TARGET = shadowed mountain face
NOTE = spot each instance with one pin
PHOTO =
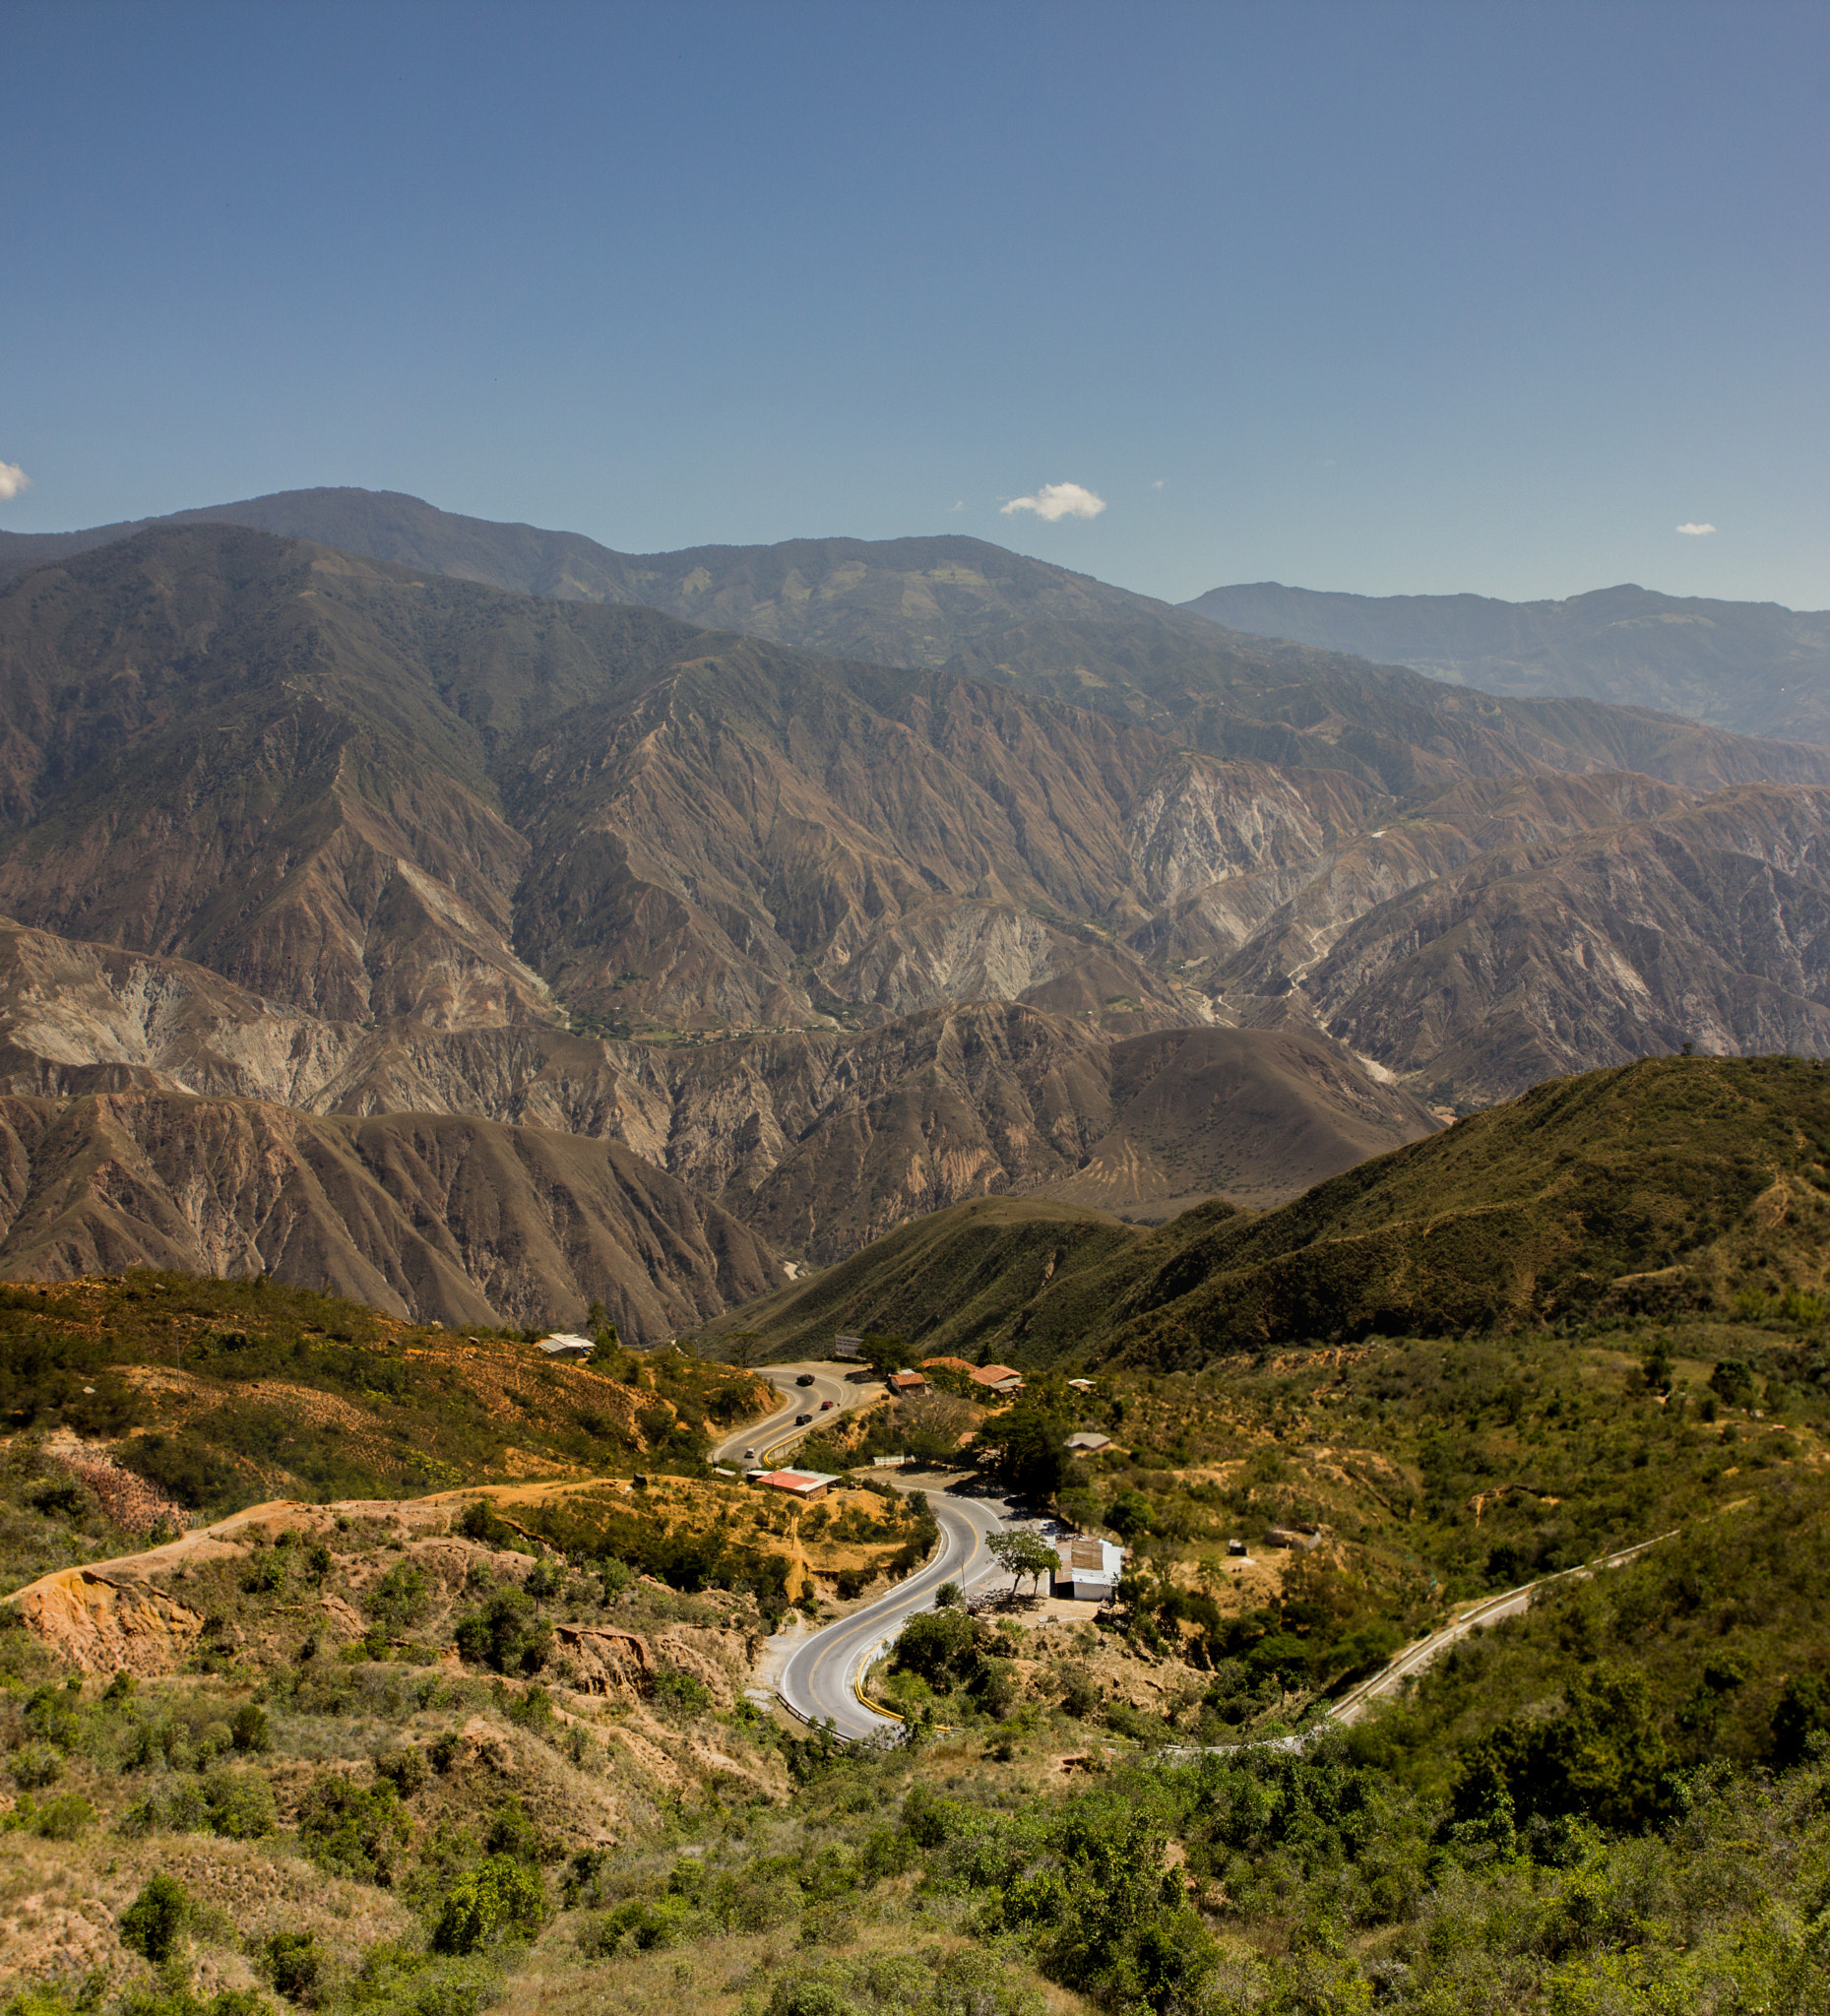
(1088, 911)
(1755, 667)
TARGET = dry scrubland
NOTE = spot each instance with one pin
(492, 1745)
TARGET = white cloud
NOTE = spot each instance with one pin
(1697, 532)
(13, 479)
(1058, 500)
(961, 505)
(1158, 484)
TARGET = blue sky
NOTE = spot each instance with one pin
(1383, 297)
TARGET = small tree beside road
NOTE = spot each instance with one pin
(1023, 1554)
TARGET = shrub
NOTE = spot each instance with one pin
(502, 1899)
(478, 1522)
(505, 1634)
(543, 1581)
(404, 1767)
(399, 1598)
(681, 1692)
(59, 1819)
(352, 1830)
(249, 1732)
(266, 1573)
(34, 1765)
(294, 1963)
(154, 1922)
(1801, 1712)
(512, 1834)
(240, 1804)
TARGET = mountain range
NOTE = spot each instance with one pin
(1756, 668)
(1045, 889)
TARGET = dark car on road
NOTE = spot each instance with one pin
(805, 1379)
(801, 1419)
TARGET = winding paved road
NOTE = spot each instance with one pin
(819, 1680)
(775, 1433)
(819, 1677)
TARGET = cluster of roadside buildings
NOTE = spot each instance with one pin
(1089, 1567)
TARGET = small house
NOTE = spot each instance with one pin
(1003, 1379)
(1290, 1536)
(1088, 1442)
(1081, 1385)
(907, 1381)
(805, 1484)
(1235, 1548)
(567, 1344)
(1089, 1568)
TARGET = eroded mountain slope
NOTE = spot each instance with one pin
(436, 1216)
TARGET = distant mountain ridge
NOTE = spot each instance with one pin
(1755, 667)
(1111, 906)
(905, 602)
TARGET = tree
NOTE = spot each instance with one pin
(1021, 1553)
(1030, 1457)
(885, 1354)
(938, 1645)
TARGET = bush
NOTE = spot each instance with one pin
(478, 1522)
(505, 1634)
(154, 1922)
(34, 1765)
(937, 1645)
(352, 1830)
(1801, 1712)
(59, 1819)
(543, 1581)
(681, 1692)
(249, 1732)
(512, 1834)
(240, 1804)
(404, 1767)
(399, 1598)
(502, 1899)
(294, 1963)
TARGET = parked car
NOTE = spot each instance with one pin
(805, 1379)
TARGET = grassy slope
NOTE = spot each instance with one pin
(1666, 1185)
(223, 1393)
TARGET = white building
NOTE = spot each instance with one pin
(1089, 1568)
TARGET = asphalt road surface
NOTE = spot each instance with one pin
(819, 1681)
(777, 1432)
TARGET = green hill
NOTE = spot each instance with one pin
(1665, 1186)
